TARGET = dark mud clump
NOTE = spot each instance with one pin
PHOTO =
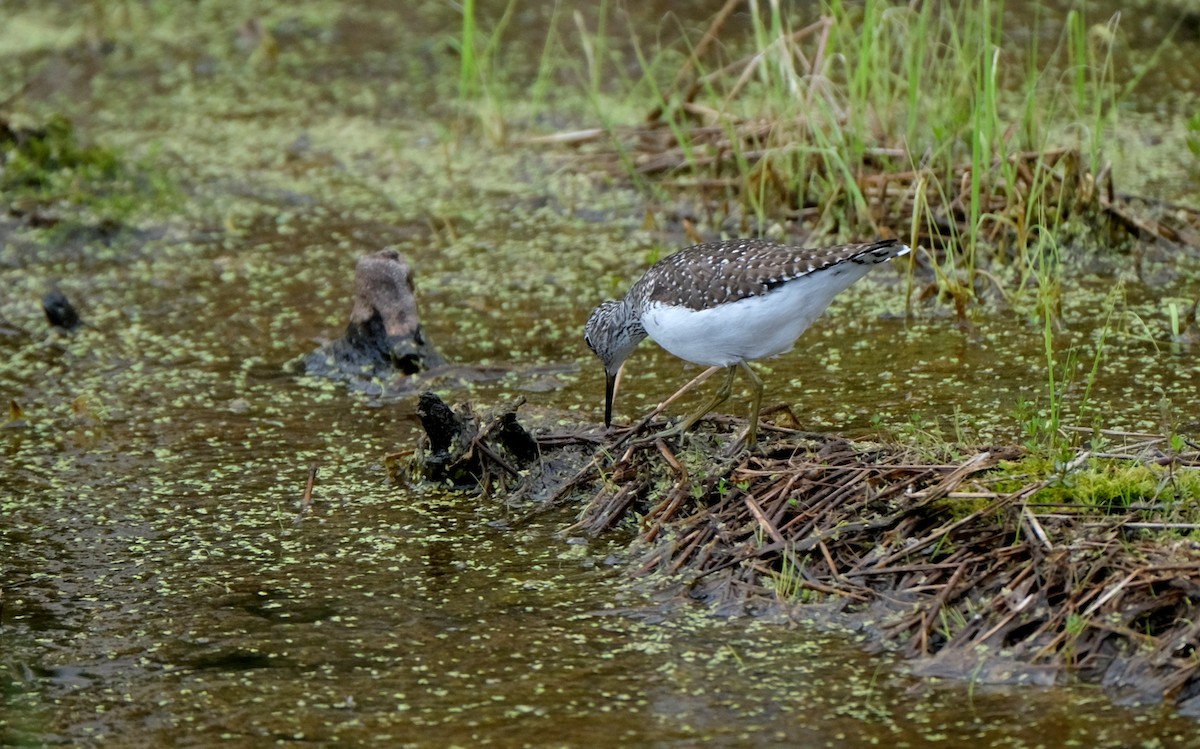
(489, 452)
(59, 311)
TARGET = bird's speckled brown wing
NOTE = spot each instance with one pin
(712, 274)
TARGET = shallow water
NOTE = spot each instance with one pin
(156, 585)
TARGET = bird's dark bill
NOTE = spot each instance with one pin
(610, 386)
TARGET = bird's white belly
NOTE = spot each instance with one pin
(751, 328)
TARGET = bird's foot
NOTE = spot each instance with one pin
(638, 433)
(652, 437)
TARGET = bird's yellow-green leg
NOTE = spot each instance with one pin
(720, 397)
(717, 399)
(755, 401)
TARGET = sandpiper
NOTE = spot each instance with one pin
(724, 304)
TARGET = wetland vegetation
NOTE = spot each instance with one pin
(999, 438)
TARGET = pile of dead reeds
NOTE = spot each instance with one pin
(950, 562)
(962, 564)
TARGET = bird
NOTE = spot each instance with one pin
(725, 304)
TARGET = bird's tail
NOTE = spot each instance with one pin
(878, 252)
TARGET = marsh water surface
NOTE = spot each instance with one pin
(159, 586)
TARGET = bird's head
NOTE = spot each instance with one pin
(612, 333)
